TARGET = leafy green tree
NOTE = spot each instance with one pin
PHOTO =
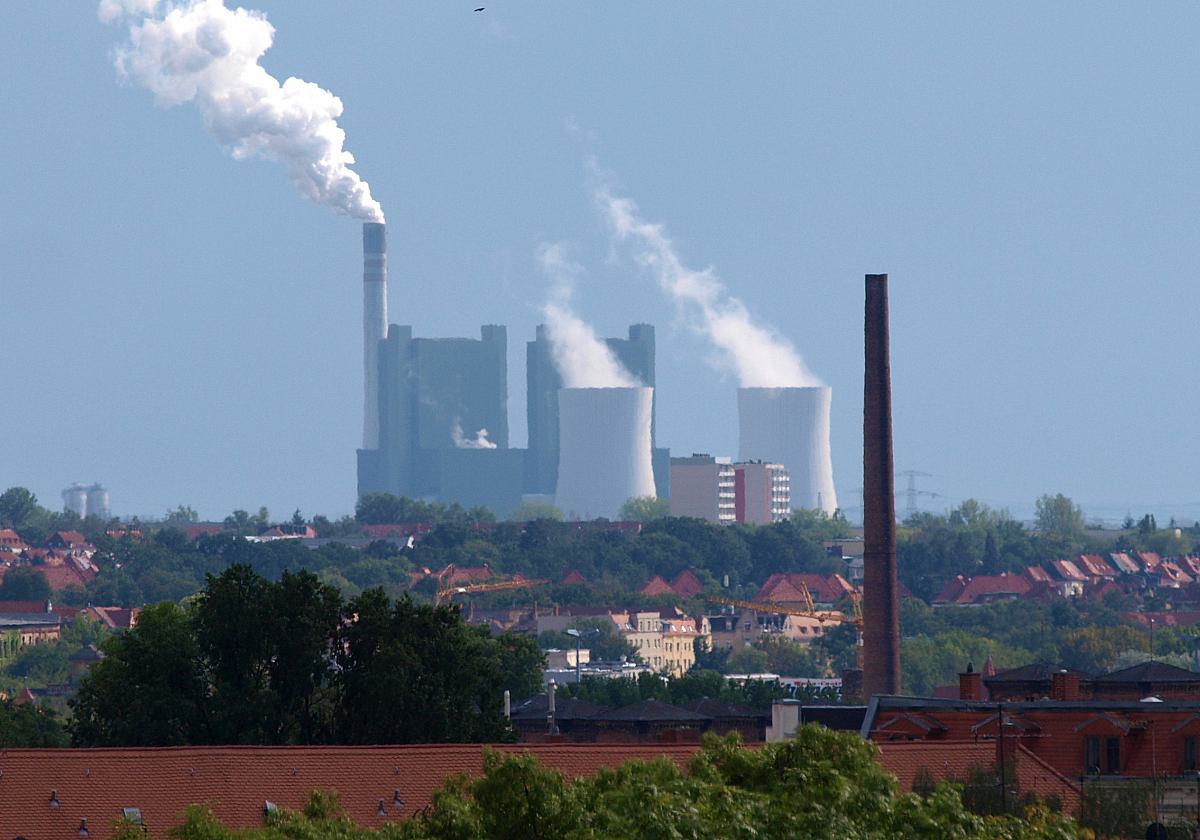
(644, 509)
(19, 510)
(820, 525)
(30, 725)
(414, 673)
(530, 510)
(181, 516)
(24, 583)
(747, 661)
(149, 690)
(1058, 516)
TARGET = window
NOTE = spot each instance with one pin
(1112, 756)
(1091, 760)
(1189, 754)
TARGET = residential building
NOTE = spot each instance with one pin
(762, 493)
(704, 487)
(712, 488)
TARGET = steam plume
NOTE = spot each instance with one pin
(461, 441)
(758, 355)
(200, 51)
(582, 358)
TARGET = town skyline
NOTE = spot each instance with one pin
(1031, 208)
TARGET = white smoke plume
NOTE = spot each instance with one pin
(582, 358)
(461, 441)
(200, 51)
(759, 356)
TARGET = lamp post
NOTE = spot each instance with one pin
(578, 636)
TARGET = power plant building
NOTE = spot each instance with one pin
(443, 421)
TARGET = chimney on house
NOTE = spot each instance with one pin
(881, 603)
(551, 722)
(1064, 686)
(970, 684)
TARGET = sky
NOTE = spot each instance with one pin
(186, 328)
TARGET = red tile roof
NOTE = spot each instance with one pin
(1148, 559)
(686, 584)
(1037, 574)
(1094, 564)
(96, 784)
(784, 588)
(983, 588)
(656, 586)
(1068, 571)
(573, 577)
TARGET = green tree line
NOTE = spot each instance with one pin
(255, 661)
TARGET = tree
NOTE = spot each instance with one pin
(530, 510)
(181, 516)
(149, 690)
(24, 583)
(644, 509)
(819, 784)
(1058, 516)
(19, 510)
(415, 673)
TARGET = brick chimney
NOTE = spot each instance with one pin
(881, 601)
(970, 684)
(1064, 686)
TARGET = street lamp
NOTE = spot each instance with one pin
(578, 635)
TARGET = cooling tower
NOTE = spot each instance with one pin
(790, 426)
(374, 324)
(75, 498)
(97, 501)
(604, 450)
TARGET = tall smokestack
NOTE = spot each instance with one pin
(374, 324)
(881, 604)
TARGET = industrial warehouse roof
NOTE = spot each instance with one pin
(49, 793)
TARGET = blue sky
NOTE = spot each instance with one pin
(185, 328)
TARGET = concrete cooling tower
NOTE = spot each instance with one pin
(790, 426)
(604, 450)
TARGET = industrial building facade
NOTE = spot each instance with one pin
(443, 418)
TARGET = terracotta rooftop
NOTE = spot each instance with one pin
(236, 781)
(656, 586)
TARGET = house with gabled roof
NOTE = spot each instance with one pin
(1095, 567)
(982, 589)
(1124, 564)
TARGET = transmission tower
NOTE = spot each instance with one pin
(911, 492)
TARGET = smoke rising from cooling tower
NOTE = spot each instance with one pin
(582, 358)
(200, 51)
(757, 354)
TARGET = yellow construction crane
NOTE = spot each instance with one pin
(449, 592)
(808, 611)
(779, 609)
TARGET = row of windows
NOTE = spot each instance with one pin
(1103, 756)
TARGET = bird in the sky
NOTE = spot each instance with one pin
(481, 8)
